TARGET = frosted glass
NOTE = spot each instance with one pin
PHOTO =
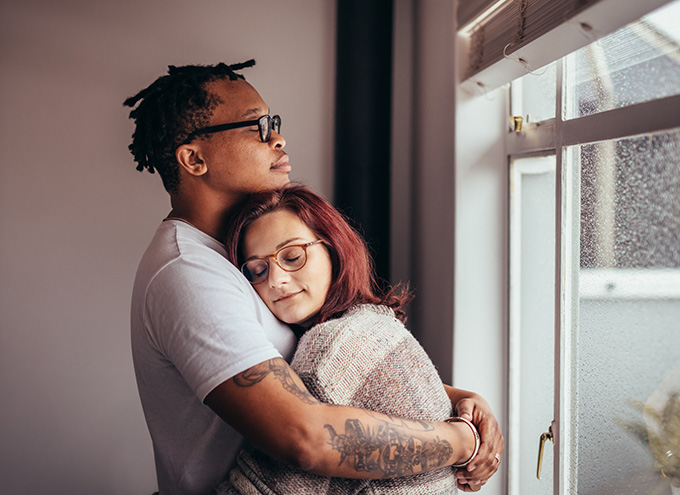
(638, 63)
(630, 206)
(532, 316)
(629, 304)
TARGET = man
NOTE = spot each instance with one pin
(209, 357)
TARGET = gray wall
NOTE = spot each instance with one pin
(76, 215)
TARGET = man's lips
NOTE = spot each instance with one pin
(282, 164)
(285, 297)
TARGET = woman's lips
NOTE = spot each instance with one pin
(286, 297)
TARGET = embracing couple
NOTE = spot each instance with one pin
(267, 358)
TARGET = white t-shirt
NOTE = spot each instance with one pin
(195, 322)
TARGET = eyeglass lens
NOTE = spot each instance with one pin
(290, 259)
(266, 123)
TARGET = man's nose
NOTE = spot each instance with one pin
(276, 140)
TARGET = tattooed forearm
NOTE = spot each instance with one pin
(388, 448)
(281, 371)
(411, 424)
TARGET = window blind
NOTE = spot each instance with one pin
(498, 30)
(469, 10)
(512, 25)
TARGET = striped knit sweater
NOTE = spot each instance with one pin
(366, 359)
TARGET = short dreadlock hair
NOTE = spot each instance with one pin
(172, 107)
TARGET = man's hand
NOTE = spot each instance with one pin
(473, 407)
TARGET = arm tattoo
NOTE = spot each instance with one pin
(281, 371)
(388, 448)
(409, 424)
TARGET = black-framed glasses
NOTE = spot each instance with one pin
(265, 124)
(290, 258)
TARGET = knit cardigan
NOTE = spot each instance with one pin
(366, 359)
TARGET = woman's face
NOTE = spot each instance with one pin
(294, 297)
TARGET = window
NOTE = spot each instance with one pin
(594, 262)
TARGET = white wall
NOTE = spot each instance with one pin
(76, 215)
(479, 360)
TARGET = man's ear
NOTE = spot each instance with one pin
(190, 159)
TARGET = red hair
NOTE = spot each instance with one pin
(353, 273)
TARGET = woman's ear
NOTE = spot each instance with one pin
(190, 159)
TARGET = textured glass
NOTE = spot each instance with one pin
(532, 319)
(638, 63)
(629, 305)
(630, 206)
(534, 95)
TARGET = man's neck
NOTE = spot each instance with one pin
(206, 216)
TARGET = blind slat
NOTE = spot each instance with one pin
(515, 24)
(550, 29)
(471, 9)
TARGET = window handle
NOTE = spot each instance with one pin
(516, 122)
(544, 436)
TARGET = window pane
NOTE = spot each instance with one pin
(531, 343)
(630, 211)
(638, 63)
(534, 95)
(629, 305)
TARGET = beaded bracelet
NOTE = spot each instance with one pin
(456, 419)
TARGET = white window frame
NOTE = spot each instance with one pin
(481, 227)
(554, 136)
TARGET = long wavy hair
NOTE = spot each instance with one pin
(353, 278)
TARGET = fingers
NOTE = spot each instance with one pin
(483, 466)
(472, 487)
(479, 476)
(465, 409)
(487, 460)
(485, 463)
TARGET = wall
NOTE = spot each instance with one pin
(479, 360)
(422, 182)
(76, 215)
(445, 187)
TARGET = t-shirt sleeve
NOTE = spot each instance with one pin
(206, 322)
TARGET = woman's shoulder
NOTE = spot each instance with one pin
(376, 310)
(371, 318)
(365, 313)
(369, 325)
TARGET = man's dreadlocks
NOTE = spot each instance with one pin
(172, 107)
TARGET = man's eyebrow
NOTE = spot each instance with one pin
(253, 112)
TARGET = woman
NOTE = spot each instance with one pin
(313, 271)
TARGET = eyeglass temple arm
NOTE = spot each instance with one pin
(222, 127)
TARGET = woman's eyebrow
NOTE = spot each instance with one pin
(288, 242)
(279, 246)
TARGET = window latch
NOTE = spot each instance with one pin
(516, 123)
(544, 436)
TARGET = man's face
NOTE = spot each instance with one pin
(238, 161)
